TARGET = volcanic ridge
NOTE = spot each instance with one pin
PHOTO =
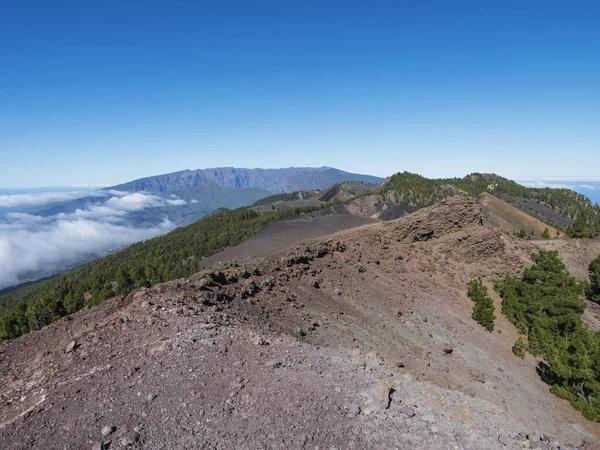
(358, 339)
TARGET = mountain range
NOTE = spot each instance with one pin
(275, 181)
(205, 190)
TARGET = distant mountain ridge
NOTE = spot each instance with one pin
(276, 181)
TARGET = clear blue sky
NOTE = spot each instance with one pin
(100, 92)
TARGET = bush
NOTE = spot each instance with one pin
(593, 291)
(520, 348)
(546, 233)
(483, 311)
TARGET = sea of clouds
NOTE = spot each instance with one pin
(589, 186)
(32, 245)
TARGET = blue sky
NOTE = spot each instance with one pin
(105, 92)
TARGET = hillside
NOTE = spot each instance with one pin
(556, 207)
(345, 191)
(275, 181)
(511, 219)
(360, 339)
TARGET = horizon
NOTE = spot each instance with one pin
(538, 180)
(588, 186)
(104, 93)
(550, 180)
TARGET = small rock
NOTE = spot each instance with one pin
(430, 418)
(108, 429)
(533, 436)
(408, 410)
(273, 363)
(150, 397)
(352, 409)
(505, 440)
(409, 401)
(71, 347)
(130, 439)
(99, 446)
(259, 341)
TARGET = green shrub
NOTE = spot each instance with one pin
(520, 348)
(546, 304)
(483, 310)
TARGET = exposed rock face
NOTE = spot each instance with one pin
(257, 356)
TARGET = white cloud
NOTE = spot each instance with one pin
(192, 201)
(134, 202)
(27, 217)
(178, 202)
(11, 201)
(562, 183)
(32, 244)
(61, 243)
(544, 184)
(567, 179)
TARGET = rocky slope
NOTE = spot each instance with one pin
(509, 218)
(360, 339)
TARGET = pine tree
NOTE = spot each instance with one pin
(520, 348)
(593, 293)
(546, 233)
(483, 313)
(483, 310)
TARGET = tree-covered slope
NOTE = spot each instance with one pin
(416, 190)
(284, 197)
(546, 305)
